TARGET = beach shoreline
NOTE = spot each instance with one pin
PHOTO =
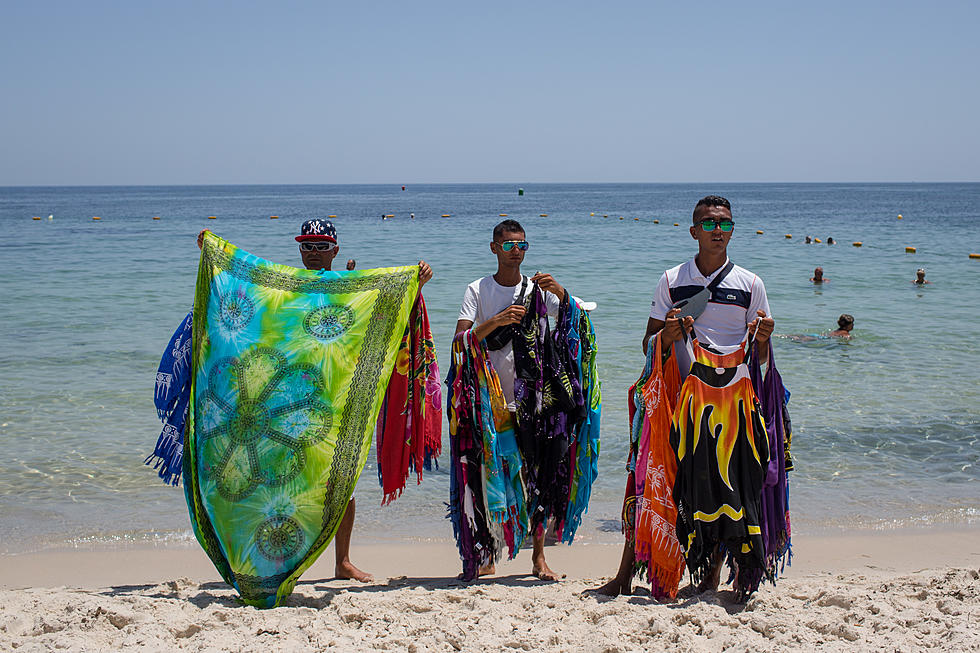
(884, 591)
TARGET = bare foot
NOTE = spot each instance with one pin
(615, 587)
(347, 571)
(713, 578)
(542, 571)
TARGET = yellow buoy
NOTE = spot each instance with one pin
(273, 217)
(857, 243)
(445, 215)
(36, 218)
(817, 240)
(636, 219)
(759, 231)
(390, 215)
(212, 217)
(789, 235)
(96, 217)
(331, 216)
(620, 217)
(910, 250)
(656, 222)
(677, 224)
(156, 217)
(502, 215)
(974, 255)
(543, 215)
(591, 214)
(899, 216)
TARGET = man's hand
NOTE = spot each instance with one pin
(764, 324)
(674, 328)
(200, 238)
(351, 263)
(548, 283)
(425, 273)
(510, 315)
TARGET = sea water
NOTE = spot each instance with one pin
(886, 423)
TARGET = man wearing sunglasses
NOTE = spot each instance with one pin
(318, 247)
(492, 302)
(737, 304)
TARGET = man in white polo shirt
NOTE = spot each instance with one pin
(738, 303)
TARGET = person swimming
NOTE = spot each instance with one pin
(920, 277)
(845, 323)
(818, 277)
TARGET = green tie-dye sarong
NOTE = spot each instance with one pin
(289, 370)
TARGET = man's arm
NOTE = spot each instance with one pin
(653, 326)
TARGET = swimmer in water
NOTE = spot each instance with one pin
(920, 277)
(846, 323)
(830, 240)
(818, 276)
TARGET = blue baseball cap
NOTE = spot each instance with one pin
(318, 229)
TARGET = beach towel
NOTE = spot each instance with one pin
(658, 552)
(289, 368)
(171, 395)
(773, 398)
(722, 449)
(487, 504)
(410, 423)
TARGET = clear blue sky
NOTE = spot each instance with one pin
(135, 92)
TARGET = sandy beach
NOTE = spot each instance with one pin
(881, 591)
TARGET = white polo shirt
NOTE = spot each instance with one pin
(732, 306)
(483, 299)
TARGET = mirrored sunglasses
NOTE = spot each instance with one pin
(316, 246)
(508, 245)
(710, 225)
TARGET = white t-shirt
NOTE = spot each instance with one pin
(732, 306)
(483, 299)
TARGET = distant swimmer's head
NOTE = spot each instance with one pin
(713, 224)
(920, 275)
(509, 243)
(846, 322)
(318, 244)
(817, 274)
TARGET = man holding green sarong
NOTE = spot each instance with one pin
(318, 248)
(290, 368)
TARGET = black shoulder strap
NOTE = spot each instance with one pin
(721, 275)
(520, 298)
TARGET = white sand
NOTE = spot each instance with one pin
(890, 592)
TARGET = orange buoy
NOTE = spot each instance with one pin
(677, 224)
(591, 214)
(636, 219)
(974, 255)
(331, 216)
(389, 215)
(759, 231)
(817, 240)
(273, 217)
(36, 218)
(789, 235)
(212, 217)
(543, 215)
(96, 218)
(502, 215)
(156, 217)
(899, 216)
(656, 222)
(445, 215)
(857, 243)
(910, 250)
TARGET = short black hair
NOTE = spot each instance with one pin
(507, 225)
(712, 200)
(845, 320)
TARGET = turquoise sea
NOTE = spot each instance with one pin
(887, 425)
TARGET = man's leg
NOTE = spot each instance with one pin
(713, 579)
(344, 567)
(539, 567)
(623, 582)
